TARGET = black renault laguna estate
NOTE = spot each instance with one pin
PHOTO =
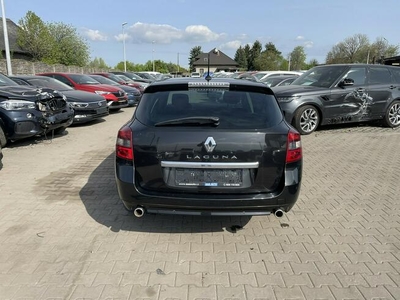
(208, 147)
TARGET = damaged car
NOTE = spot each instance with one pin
(342, 93)
(27, 111)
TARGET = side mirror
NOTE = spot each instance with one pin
(346, 82)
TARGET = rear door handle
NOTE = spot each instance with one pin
(392, 87)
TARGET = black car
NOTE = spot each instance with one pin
(218, 147)
(134, 95)
(27, 111)
(87, 106)
(342, 93)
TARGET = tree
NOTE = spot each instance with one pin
(351, 50)
(68, 47)
(98, 63)
(240, 58)
(255, 53)
(247, 52)
(297, 58)
(34, 36)
(194, 52)
(270, 59)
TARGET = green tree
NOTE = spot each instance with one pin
(68, 47)
(297, 58)
(255, 54)
(247, 52)
(270, 59)
(351, 50)
(194, 52)
(240, 58)
(34, 37)
(312, 63)
(98, 63)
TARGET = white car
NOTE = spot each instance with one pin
(264, 74)
(195, 74)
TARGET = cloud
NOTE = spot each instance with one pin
(120, 37)
(308, 44)
(167, 34)
(299, 38)
(234, 45)
(94, 35)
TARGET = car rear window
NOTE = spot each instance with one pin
(235, 109)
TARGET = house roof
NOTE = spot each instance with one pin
(12, 31)
(220, 59)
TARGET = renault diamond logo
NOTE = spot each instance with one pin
(210, 144)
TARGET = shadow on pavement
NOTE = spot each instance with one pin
(100, 197)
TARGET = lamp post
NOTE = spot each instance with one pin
(6, 43)
(215, 51)
(152, 56)
(123, 41)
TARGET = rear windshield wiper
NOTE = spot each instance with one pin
(193, 121)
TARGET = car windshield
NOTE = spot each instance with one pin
(103, 80)
(5, 81)
(322, 76)
(83, 79)
(43, 81)
(219, 108)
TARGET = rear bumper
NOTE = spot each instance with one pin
(209, 204)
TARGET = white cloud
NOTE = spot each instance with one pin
(299, 38)
(120, 37)
(233, 45)
(308, 44)
(94, 35)
(167, 34)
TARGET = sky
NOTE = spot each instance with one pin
(168, 29)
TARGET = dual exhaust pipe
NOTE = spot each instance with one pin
(139, 212)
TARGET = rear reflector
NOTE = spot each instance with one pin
(124, 146)
(293, 151)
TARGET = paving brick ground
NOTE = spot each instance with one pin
(65, 235)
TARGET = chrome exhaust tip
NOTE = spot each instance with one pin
(138, 212)
(279, 213)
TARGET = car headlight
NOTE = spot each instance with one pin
(78, 104)
(288, 98)
(102, 92)
(17, 104)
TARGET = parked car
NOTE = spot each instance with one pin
(116, 97)
(196, 147)
(195, 74)
(87, 106)
(27, 111)
(342, 93)
(282, 80)
(124, 80)
(260, 75)
(133, 94)
(133, 76)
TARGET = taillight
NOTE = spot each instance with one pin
(293, 151)
(124, 147)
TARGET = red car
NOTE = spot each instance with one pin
(116, 97)
(127, 81)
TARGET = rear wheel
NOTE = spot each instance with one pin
(306, 119)
(392, 117)
(3, 139)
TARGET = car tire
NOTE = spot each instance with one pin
(306, 119)
(3, 139)
(392, 116)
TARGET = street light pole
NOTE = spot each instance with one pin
(7, 46)
(123, 41)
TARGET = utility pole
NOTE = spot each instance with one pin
(6, 43)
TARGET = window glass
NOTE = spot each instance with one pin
(235, 109)
(379, 75)
(396, 73)
(358, 74)
(324, 76)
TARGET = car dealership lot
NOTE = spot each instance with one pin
(64, 233)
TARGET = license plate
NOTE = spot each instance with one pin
(209, 177)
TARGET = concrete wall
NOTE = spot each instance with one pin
(24, 67)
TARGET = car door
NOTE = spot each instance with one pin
(344, 104)
(380, 89)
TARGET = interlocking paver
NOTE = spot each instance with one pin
(65, 235)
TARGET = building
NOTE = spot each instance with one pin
(15, 50)
(214, 61)
(393, 61)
